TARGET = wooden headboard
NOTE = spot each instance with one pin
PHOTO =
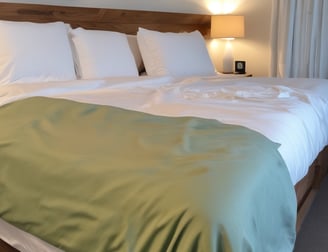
(126, 21)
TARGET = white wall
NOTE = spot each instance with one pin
(254, 48)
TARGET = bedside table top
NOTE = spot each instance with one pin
(235, 75)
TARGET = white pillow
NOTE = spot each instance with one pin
(102, 54)
(176, 54)
(33, 52)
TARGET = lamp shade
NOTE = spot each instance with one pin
(227, 26)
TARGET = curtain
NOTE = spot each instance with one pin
(299, 38)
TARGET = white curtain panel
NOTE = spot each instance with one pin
(299, 38)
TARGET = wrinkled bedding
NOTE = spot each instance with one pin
(290, 112)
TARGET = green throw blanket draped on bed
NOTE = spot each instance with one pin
(96, 178)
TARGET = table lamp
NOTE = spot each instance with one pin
(227, 27)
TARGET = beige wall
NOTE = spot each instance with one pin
(254, 48)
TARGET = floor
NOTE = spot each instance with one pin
(313, 236)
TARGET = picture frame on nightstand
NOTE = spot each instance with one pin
(240, 67)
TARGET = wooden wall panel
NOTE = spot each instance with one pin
(126, 21)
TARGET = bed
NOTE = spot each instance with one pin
(180, 159)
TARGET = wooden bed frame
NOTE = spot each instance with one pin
(307, 188)
(128, 21)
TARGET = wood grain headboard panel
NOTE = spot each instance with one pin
(126, 21)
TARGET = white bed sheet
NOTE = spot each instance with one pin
(292, 112)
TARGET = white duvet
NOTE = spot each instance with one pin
(292, 112)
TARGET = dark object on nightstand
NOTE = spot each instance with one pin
(240, 67)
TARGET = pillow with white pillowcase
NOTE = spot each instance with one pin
(35, 52)
(175, 54)
(102, 54)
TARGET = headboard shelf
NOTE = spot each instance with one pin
(126, 21)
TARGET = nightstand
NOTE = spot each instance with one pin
(245, 75)
(235, 75)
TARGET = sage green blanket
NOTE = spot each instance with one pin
(96, 178)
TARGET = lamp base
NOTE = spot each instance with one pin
(227, 58)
